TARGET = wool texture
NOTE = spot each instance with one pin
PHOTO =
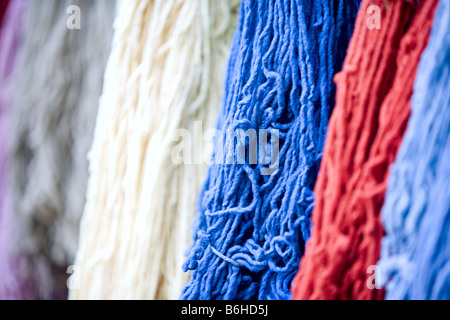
(415, 251)
(252, 223)
(13, 283)
(164, 77)
(56, 97)
(366, 128)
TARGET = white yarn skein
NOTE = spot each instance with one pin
(165, 72)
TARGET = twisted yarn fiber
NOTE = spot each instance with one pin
(12, 283)
(165, 72)
(366, 128)
(416, 215)
(252, 227)
(57, 89)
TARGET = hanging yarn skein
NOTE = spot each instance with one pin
(366, 128)
(164, 77)
(13, 284)
(415, 251)
(56, 98)
(252, 223)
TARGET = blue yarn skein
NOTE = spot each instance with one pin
(251, 228)
(415, 253)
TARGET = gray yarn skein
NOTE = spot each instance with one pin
(53, 116)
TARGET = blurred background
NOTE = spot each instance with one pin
(52, 61)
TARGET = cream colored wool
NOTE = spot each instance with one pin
(59, 82)
(165, 71)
